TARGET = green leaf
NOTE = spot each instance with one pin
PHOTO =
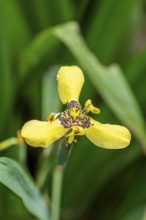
(5, 74)
(106, 31)
(18, 181)
(17, 27)
(139, 213)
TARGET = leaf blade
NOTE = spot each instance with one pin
(14, 177)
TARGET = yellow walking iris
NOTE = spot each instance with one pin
(74, 120)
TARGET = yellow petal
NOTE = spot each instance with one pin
(70, 81)
(108, 136)
(42, 133)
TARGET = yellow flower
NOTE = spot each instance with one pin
(74, 120)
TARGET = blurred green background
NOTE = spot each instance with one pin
(107, 39)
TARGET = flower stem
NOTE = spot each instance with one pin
(62, 158)
(8, 143)
(56, 192)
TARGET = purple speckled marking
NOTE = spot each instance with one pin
(81, 120)
(73, 103)
(64, 123)
(87, 123)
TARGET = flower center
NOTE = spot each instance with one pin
(74, 115)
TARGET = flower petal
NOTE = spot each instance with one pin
(70, 82)
(42, 133)
(108, 136)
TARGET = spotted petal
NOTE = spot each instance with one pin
(70, 82)
(42, 133)
(108, 136)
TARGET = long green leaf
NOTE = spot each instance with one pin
(5, 80)
(106, 31)
(139, 213)
(18, 30)
(17, 180)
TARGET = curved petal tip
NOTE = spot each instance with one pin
(70, 81)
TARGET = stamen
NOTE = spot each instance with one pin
(53, 116)
(87, 123)
(91, 108)
(70, 139)
(65, 123)
(75, 116)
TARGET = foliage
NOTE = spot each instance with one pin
(106, 38)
